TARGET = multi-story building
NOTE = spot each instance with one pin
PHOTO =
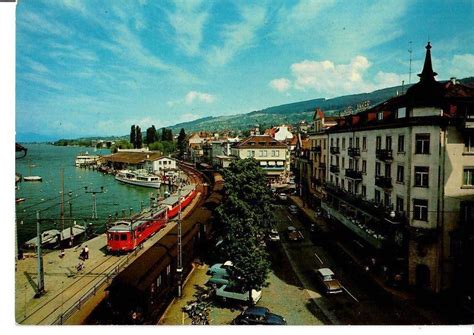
(270, 153)
(319, 150)
(303, 167)
(401, 179)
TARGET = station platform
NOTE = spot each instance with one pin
(70, 295)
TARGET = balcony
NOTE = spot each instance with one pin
(334, 150)
(383, 182)
(316, 149)
(353, 152)
(426, 235)
(354, 174)
(334, 169)
(322, 165)
(384, 155)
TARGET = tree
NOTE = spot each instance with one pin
(181, 143)
(138, 141)
(133, 135)
(151, 135)
(166, 134)
(245, 218)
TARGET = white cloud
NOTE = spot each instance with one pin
(191, 97)
(238, 36)
(461, 66)
(280, 84)
(188, 21)
(330, 79)
(198, 96)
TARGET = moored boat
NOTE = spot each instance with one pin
(139, 178)
(85, 159)
(32, 178)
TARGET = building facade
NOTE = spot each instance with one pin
(400, 178)
(270, 153)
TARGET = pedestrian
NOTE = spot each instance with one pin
(86, 252)
(82, 256)
(61, 255)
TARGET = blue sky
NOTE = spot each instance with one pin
(86, 68)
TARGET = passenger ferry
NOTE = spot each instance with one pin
(84, 159)
(125, 236)
(139, 178)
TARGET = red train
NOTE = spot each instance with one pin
(125, 236)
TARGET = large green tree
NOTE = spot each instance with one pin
(245, 217)
(133, 135)
(139, 140)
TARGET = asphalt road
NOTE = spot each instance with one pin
(360, 303)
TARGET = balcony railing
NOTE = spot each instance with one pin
(384, 155)
(353, 152)
(353, 174)
(334, 150)
(334, 169)
(383, 182)
(316, 149)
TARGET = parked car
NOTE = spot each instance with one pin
(220, 269)
(227, 292)
(218, 280)
(327, 280)
(258, 316)
(273, 236)
(293, 209)
(282, 196)
(294, 234)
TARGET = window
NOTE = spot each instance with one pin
(343, 166)
(377, 196)
(260, 153)
(422, 144)
(420, 209)
(421, 176)
(264, 153)
(364, 191)
(357, 142)
(349, 186)
(168, 269)
(277, 152)
(400, 173)
(378, 142)
(343, 143)
(388, 142)
(401, 112)
(364, 143)
(249, 153)
(350, 142)
(377, 169)
(380, 116)
(388, 170)
(324, 144)
(337, 142)
(386, 199)
(273, 153)
(468, 176)
(469, 143)
(123, 237)
(158, 281)
(399, 205)
(332, 142)
(364, 166)
(401, 143)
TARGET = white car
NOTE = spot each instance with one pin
(273, 235)
(226, 292)
(282, 196)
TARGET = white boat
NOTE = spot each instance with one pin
(84, 159)
(32, 178)
(139, 178)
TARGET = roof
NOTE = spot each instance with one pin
(260, 141)
(133, 157)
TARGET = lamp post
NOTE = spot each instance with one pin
(179, 267)
(40, 284)
(94, 201)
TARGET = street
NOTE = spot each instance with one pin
(360, 303)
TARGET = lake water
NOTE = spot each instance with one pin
(48, 161)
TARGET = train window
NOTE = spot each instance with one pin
(116, 237)
(123, 237)
(158, 281)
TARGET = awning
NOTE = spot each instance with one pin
(271, 163)
(281, 163)
(263, 163)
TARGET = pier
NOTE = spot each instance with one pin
(71, 294)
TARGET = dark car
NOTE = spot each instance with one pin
(258, 316)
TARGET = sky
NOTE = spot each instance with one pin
(95, 67)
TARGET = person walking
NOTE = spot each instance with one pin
(86, 252)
